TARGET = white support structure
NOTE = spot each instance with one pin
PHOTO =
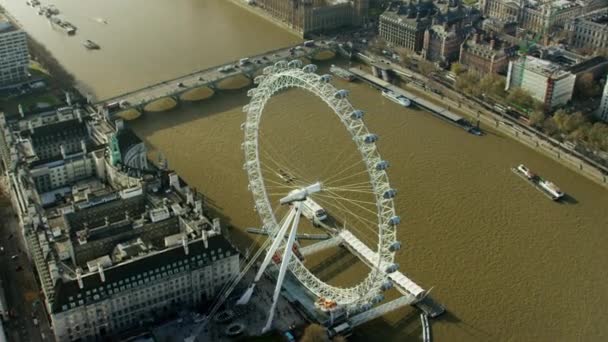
(404, 284)
(379, 311)
(320, 246)
(285, 75)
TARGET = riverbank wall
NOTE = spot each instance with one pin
(511, 129)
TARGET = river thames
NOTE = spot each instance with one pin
(508, 264)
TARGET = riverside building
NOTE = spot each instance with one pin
(117, 244)
(589, 31)
(14, 54)
(310, 16)
(540, 16)
(546, 81)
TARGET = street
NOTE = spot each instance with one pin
(21, 289)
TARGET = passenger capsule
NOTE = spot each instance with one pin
(357, 114)
(370, 138)
(268, 70)
(296, 63)
(243, 127)
(395, 220)
(390, 193)
(325, 78)
(395, 246)
(387, 285)
(258, 79)
(378, 298)
(310, 68)
(382, 165)
(392, 268)
(341, 94)
(280, 64)
(245, 108)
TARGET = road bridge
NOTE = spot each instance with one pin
(209, 77)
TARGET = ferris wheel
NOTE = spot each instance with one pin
(282, 76)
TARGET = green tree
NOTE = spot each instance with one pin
(426, 67)
(457, 69)
(586, 86)
(493, 84)
(315, 333)
(537, 118)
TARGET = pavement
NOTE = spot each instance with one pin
(252, 316)
(20, 286)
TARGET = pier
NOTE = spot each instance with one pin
(442, 113)
(171, 91)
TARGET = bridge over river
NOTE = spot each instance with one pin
(202, 84)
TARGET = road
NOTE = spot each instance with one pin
(211, 75)
(20, 286)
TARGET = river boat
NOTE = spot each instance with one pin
(342, 73)
(63, 25)
(398, 99)
(546, 187)
(90, 45)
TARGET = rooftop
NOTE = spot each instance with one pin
(544, 67)
(122, 277)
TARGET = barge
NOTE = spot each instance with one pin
(548, 188)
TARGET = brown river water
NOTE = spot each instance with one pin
(508, 263)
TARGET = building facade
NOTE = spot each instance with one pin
(538, 16)
(486, 56)
(435, 30)
(310, 16)
(116, 244)
(545, 81)
(14, 54)
(602, 111)
(589, 31)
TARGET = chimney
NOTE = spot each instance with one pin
(185, 243)
(198, 206)
(68, 98)
(21, 113)
(83, 146)
(107, 220)
(62, 149)
(492, 43)
(79, 277)
(78, 115)
(190, 196)
(101, 274)
(205, 238)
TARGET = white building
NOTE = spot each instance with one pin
(602, 111)
(14, 55)
(545, 81)
(115, 298)
(116, 245)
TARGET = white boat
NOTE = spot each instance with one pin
(398, 99)
(546, 187)
(551, 189)
(90, 45)
(525, 171)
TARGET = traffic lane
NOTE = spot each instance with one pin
(19, 283)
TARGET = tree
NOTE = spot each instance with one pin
(560, 118)
(315, 333)
(339, 338)
(493, 84)
(426, 67)
(586, 86)
(522, 98)
(457, 69)
(537, 117)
